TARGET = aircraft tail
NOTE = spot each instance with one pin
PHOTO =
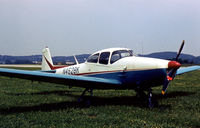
(47, 63)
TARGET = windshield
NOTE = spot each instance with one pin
(116, 55)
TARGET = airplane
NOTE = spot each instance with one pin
(113, 68)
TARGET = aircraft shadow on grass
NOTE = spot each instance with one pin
(60, 93)
(95, 101)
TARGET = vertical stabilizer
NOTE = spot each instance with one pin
(47, 63)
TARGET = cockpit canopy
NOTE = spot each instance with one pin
(109, 56)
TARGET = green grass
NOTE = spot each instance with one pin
(25, 104)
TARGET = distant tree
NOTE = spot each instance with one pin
(19, 61)
(8, 62)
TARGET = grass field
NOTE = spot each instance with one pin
(31, 104)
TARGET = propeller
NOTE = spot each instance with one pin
(173, 66)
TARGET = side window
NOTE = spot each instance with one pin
(104, 57)
(93, 58)
(115, 56)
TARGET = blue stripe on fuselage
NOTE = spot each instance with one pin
(133, 79)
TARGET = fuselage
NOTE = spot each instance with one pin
(121, 64)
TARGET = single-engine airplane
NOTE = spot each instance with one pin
(114, 68)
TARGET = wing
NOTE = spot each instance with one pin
(187, 69)
(70, 80)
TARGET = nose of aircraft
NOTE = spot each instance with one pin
(174, 65)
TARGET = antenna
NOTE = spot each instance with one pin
(76, 60)
(142, 48)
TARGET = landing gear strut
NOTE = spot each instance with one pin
(81, 98)
(150, 98)
(147, 97)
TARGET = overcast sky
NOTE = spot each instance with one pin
(70, 27)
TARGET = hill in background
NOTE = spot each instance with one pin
(184, 58)
(37, 59)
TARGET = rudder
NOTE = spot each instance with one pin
(47, 63)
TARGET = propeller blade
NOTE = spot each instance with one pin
(180, 50)
(170, 76)
(173, 66)
(165, 85)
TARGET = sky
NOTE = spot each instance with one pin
(72, 27)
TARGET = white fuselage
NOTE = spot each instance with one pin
(131, 63)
